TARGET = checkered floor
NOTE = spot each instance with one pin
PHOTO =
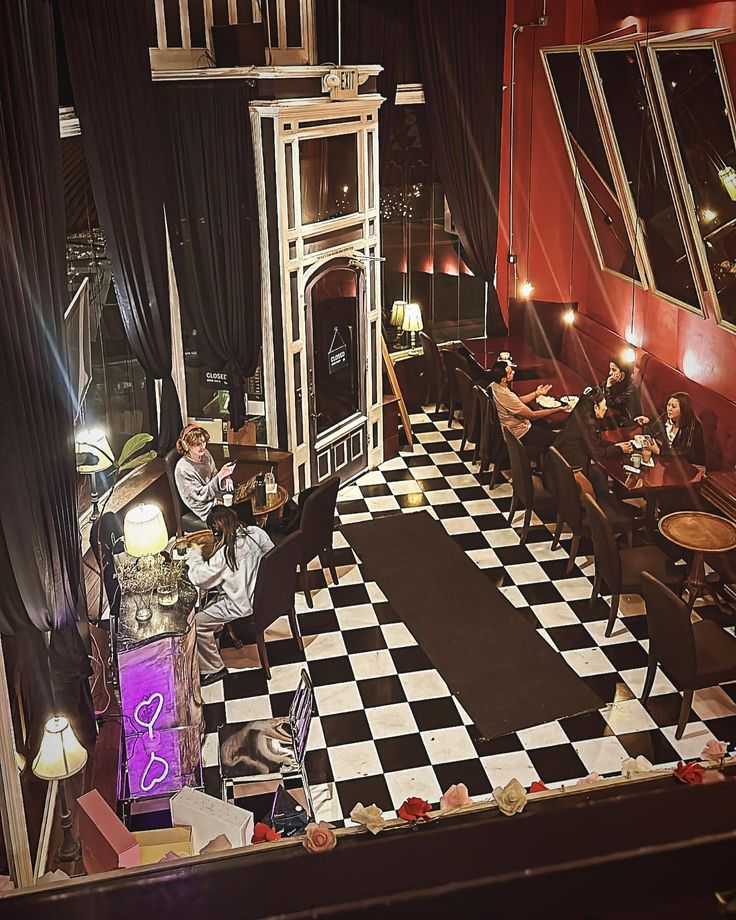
(388, 727)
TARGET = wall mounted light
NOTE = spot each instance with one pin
(628, 355)
(568, 317)
(708, 214)
(526, 289)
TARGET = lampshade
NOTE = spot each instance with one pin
(397, 313)
(727, 175)
(60, 755)
(412, 318)
(145, 531)
(94, 444)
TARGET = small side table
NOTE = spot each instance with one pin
(700, 533)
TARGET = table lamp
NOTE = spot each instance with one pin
(94, 455)
(412, 322)
(59, 757)
(145, 534)
(397, 318)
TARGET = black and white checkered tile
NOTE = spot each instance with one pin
(387, 725)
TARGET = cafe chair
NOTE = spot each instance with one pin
(274, 593)
(570, 510)
(621, 569)
(434, 371)
(454, 361)
(492, 449)
(692, 655)
(471, 418)
(317, 524)
(186, 520)
(528, 490)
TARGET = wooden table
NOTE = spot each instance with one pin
(700, 533)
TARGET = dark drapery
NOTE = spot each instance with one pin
(212, 214)
(40, 554)
(460, 46)
(107, 48)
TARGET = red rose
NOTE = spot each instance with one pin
(414, 809)
(689, 773)
(536, 786)
(262, 833)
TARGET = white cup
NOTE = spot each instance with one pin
(227, 499)
(504, 356)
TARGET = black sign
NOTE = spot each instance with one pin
(337, 354)
(218, 380)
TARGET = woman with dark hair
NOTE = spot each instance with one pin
(230, 570)
(677, 431)
(579, 442)
(622, 394)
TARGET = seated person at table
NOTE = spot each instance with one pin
(677, 431)
(514, 412)
(579, 442)
(196, 475)
(622, 395)
(231, 570)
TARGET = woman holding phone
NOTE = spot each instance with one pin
(677, 431)
(197, 478)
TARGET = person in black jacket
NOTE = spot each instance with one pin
(579, 442)
(677, 431)
(622, 394)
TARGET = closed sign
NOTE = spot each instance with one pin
(337, 354)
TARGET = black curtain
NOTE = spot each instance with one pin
(212, 213)
(107, 49)
(40, 556)
(461, 45)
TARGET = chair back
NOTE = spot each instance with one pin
(495, 435)
(471, 421)
(106, 541)
(455, 361)
(170, 461)
(521, 469)
(432, 359)
(482, 399)
(671, 639)
(276, 582)
(317, 520)
(607, 559)
(564, 488)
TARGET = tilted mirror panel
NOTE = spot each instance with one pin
(698, 120)
(329, 177)
(635, 136)
(589, 162)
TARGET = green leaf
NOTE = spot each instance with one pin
(137, 461)
(132, 446)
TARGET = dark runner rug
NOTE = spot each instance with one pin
(502, 671)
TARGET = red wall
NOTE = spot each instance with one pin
(554, 247)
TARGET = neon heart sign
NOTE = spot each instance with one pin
(151, 706)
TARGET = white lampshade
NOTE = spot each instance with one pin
(60, 755)
(727, 175)
(145, 531)
(397, 313)
(412, 318)
(94, 442)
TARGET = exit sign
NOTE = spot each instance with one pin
(341, 83)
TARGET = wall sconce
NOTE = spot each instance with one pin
(628, 355)
(568, 317)
(526, 289)
(412, 322)
(94, 455)
(727, 175)
(145, 534)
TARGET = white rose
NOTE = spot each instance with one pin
(631, 766)
(511, 798)
(370, 816)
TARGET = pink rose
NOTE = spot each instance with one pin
(714, 751)
(590, 780)
(455, 797)
(319, 838)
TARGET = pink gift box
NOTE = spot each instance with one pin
(106, 842)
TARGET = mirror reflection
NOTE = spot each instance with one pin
(660, 234)
(705, 144)
(585, 145)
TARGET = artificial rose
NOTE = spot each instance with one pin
(370, 816)
(714, 751)
(537, 786)
(414, 810)
(713, 776)
(632, 765)
(511, 798)
(691, 773)
(455, 797)
(319, 838)
(590, 780)
(263, 833)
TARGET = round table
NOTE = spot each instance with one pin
(700, 533)
(275, 501)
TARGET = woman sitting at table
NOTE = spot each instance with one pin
(196, 475)
(231, 570)
(579, 442)
(677, 431)
(622, 395)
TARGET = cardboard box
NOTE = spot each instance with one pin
(209, 817)
(106, 842)
(154, 845)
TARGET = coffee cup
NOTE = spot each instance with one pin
(636, 461)
(504, 356)
(227, 499)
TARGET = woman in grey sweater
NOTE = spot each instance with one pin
(196, 475)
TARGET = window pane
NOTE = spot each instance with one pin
(329, 177)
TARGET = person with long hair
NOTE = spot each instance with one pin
(197, 478)
(580, 442)
(622, 394)
(230, 571)
(677, 431)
